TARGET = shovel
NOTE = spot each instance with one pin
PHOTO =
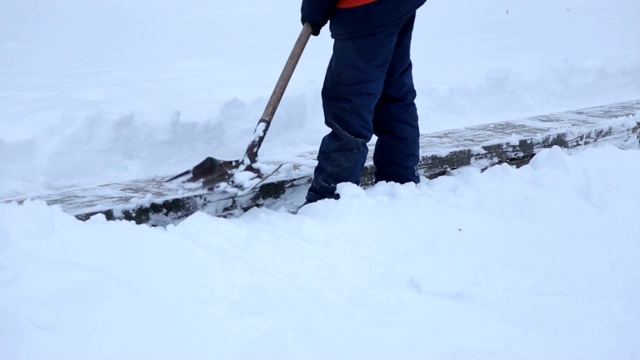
(240, 176)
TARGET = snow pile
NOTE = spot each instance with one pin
(530, 263)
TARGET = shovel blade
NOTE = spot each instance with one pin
(214, 174)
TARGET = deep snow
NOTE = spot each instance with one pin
(530, 263)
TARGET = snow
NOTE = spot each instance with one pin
(541, 262)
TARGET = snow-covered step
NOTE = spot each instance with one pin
(517, 141)
(155, 202)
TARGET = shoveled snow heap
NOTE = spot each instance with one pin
(532, 263)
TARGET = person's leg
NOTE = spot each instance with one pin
(353, 84)
(395, 120)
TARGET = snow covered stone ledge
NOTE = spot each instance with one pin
(153, 202)
(516, 142)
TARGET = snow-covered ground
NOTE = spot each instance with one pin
(541, 262)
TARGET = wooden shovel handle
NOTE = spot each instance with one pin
(270, 110)
(285, 76)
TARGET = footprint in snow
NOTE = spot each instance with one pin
(7, 274)
(43, 318)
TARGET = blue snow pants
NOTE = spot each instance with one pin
(368, 89)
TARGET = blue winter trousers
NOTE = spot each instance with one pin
(368, 89)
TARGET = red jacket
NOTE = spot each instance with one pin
(351, 18)
(345, 4)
